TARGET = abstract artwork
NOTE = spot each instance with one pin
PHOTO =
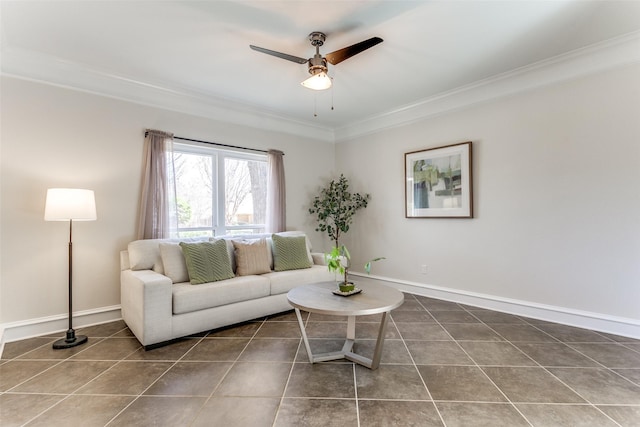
(438, 182)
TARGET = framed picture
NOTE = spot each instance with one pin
(438, 182)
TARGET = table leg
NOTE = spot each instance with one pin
(319, 357)
(304, 335)
(351, 335)
(351, 327)
(346, 352)
(377, 353)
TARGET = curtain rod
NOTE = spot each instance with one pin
(216, 143)
(219, 144)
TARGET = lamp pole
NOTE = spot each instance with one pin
(71, 339)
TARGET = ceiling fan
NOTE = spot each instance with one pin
(318, 64)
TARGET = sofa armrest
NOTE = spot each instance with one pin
(146, 304)
(318, 258)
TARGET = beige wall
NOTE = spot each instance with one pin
(556, 174)
(555, 188)
(54, 137)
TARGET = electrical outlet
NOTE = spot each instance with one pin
(423, 269)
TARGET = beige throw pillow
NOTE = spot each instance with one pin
(251, 257)
(173, 261)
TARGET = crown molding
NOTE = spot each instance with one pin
(613, 53)
(23, 64)
(28, 65)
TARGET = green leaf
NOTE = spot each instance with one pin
(367, 266)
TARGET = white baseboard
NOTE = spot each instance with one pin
(582, 319)
(29, 328)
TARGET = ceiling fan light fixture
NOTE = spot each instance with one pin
(319, 81)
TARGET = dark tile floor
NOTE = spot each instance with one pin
(443, 364)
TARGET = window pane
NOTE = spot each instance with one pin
(194, 191)
(245, 193)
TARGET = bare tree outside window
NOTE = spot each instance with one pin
(258, 174)
(245, 191)
(237, 188)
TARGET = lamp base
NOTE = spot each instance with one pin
(71, 340)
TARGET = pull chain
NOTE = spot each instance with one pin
(315, 100)
(331, 94)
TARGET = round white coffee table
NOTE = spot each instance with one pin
(318, 298)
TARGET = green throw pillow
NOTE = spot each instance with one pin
(207, 261)
(289, 253)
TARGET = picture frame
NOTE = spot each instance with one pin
(438, 182)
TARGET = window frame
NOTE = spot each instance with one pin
(218, 224)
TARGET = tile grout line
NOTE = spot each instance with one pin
(539, 365)
(513, 405)
(208, 399)
(60, 362)
(475, 364)
(589, 402)
(293, 364)
(141, 394)
(415, 366)
(593, 405)
(355, 390)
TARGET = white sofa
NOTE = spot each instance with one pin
(159, 305)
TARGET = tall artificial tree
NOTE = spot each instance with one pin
(335, 207)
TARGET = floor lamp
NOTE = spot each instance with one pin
(70, 204)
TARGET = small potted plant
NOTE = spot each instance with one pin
(339, 260)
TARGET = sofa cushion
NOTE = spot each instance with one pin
(187, 298)
(251, 257)
(175, 266)
(290, 253)
(207, 261)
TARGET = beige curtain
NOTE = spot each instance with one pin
(157, 200)
(276, 200)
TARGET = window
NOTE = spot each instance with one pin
(219, 192)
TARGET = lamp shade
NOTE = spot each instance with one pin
(319, 81)
(64, 204)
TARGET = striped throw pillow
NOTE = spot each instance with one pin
(252, 257)
(290, 253)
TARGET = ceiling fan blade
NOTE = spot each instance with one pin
(347, 52)
(280, 54)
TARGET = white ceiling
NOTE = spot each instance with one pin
(201, 48)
